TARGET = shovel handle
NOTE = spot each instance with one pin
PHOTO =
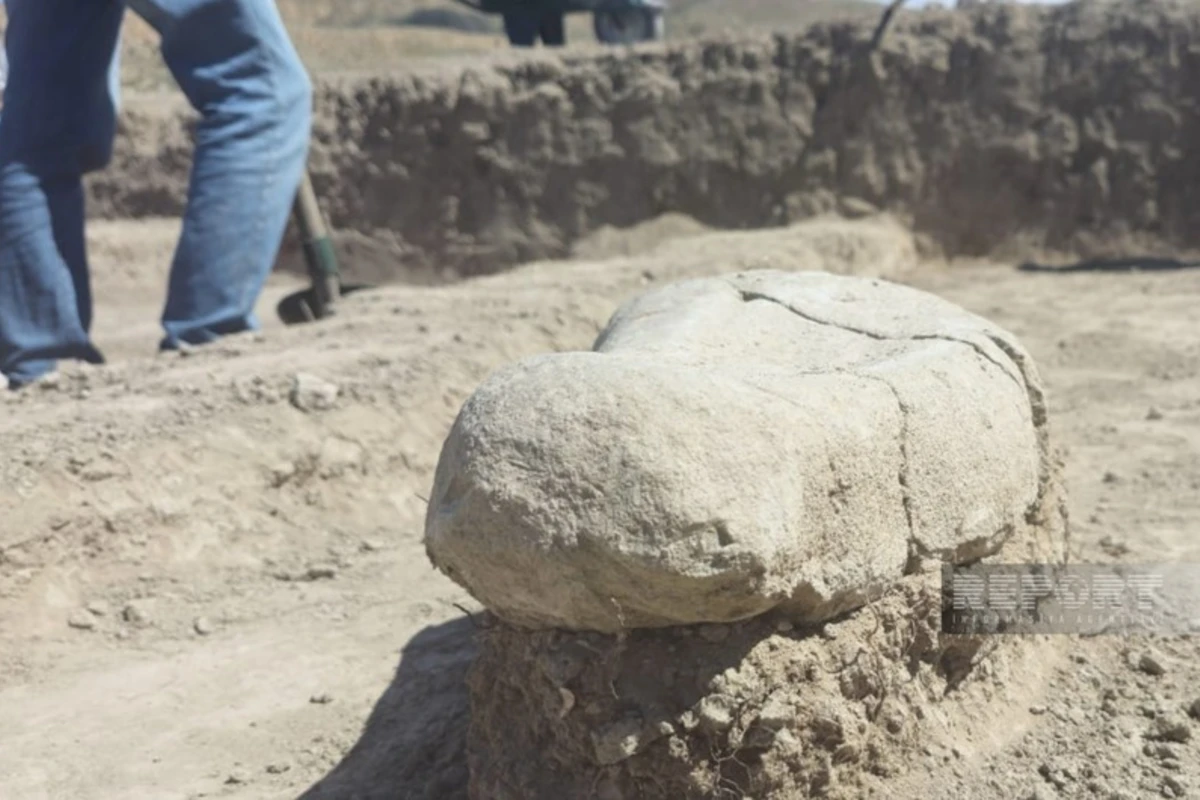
(318, 249)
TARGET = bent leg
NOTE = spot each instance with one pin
(234, 61)
(521, 28)
(553, 30)
(57, 123)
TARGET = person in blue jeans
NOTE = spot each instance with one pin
(236, 65)
(525, 26)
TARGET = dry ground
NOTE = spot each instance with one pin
(206, 591)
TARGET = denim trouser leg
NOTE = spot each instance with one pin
(57, 124)
(234, 61)
(238, 68)
(552, 28)
(521, 27)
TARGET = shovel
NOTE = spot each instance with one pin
(325, 289)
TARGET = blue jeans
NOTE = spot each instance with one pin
(238, 68)
(524, 27)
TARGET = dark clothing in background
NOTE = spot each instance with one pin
(525, 28)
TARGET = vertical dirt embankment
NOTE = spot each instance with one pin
(1002, 130)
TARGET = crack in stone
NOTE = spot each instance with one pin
(902, 477)
(748, 296)
(1035, 399)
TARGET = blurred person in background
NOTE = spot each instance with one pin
(236, 65)
(3, 67)
(525, 25)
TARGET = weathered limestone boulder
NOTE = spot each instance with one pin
(732, 445)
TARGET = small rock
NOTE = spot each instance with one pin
(1111, 477)
(1154, 414)
(847, 753)
(237, 776)
(1151, 663)
(1041, 793)
(784, 626)
(278, 769)
(1058, 777)
(49, 382)
(370, 546)
(136, 614)
(202, 626)
(857, 208)
(310, 393)
(1170, 728)
(716, 712)
(776, 713)
(568, 702)
(98, 608)
(1175, 786)
(281, 472)
(81, 620)
(319, 572)
(1194, 709)
(321, 699)
(618, 741)
(1113, 547)
(1037, 710)
(1163, 751)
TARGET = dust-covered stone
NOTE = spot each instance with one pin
(310, 393)
(1151, 663)
(737, 444)
(81, 620)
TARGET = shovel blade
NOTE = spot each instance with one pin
(305, 306)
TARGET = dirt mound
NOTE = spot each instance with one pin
(751, 710)
(1004, 129)
(760, 708)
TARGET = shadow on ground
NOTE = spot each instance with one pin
(413, 746)
(1127, 264)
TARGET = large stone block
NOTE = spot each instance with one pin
(732, 445)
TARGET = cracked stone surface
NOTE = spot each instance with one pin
(764, 440)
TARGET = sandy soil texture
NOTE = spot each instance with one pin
(211, 578)
(212, 581)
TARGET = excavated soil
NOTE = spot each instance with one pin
(762, 708)
(1000, 132)
(212, 580)
(213, 586)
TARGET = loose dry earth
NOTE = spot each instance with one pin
(208, 591)
(212, 581)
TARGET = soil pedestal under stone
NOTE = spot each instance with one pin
(762, 708)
